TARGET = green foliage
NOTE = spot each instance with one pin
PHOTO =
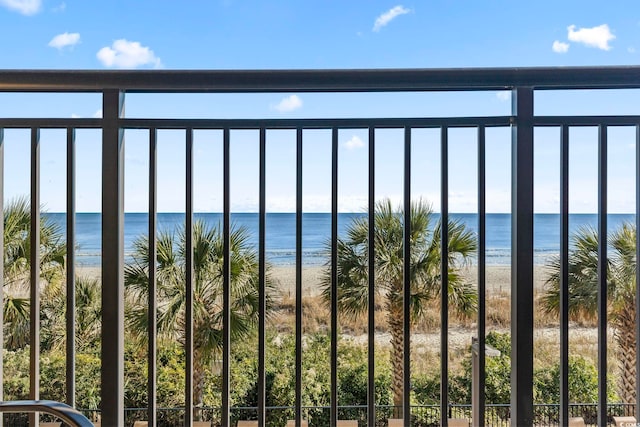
(584, 284)
(52, 377)
(16, 374)
(425, 274)
(207, 291)
(17, 262)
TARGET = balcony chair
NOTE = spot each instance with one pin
(625, 421)
(396, 422)
(51, 424)
(247, 423)
(347, 423)
(577, 422)
(292, 423)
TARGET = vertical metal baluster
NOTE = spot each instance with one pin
(637, 408)
(71, 266)
(2, 264)
(334, 277)
(298, 403)
(262, 283)
(112, 372)
(478, 419)
(522, 257)
(152, 295)
(34, 288)
(188, 342)
(564, 275)
(371, 381)
(226, 274)
(406, 280)
(602, 275)
(444, 275)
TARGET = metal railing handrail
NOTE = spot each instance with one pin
(66, 413)
(269, 81)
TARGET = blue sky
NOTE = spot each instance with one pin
(228, 34)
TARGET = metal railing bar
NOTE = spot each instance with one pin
(112, 351)
(34, 287)
(522, 296)
(70, 368)
(255, 124)
(327, 123)
(482, 247)
(152, 294)
(50, 123)
(226, 274)
(334, 278)
(444, 273)
(406, 281)
(602, 276)
(292, 124)
(554, 121)
(564, 275)
(298, 397)
(262, 281)
(2, 168)
(371, 311)
(637, 271)
(355, 80)
(189, 277)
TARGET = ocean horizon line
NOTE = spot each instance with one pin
(316, 229)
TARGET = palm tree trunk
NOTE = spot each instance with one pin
(625, 335)
(198, 385)
(397, 362)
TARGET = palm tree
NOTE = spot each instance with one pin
(208, 256)
(352, 266)
(88, 314)
(583, 292)
(17, 264)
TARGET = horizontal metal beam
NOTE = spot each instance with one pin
(319, 80)
(622, 120)
(325, 123)
(328, 123)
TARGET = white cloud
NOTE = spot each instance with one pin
(598, 37)
(503, 95)
(64, 40)
(126, 54)
(631, 49)
(560, 47)
(96, 115)
(388, 16)
(25, 7)
(354, 142)
(60, 8)
(288, 104)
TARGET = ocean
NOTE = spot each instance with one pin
(281, 229)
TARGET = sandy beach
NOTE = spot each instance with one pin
(498, 277)
(498, 282)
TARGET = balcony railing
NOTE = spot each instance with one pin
(523, 84)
